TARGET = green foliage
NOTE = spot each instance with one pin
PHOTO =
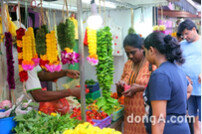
(35, 123)
(61, 35)
(66, 34)
(131, 31)
(90, 82)
(105, 67)
(107, 103)
(41, 40)
(89, 101)
(70, 33)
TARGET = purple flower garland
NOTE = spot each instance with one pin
(10, 62)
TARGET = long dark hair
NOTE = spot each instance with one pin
(133, 40)
(166, 45)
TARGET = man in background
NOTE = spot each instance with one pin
(191, 48)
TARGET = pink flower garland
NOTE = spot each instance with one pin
(69, 58)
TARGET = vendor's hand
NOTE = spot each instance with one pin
(76, 91)
(132, 91)
(74, 74)
(199, 78)
(120, 88)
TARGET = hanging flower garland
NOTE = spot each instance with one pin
(41, 45)
(105, 67)
(27, 63)
(30, 57)
(69, 56)
(92, 46)
(66, 40)
(22, 73)
(160, 28)
(52, 53)
(10, 62)
(35, 59)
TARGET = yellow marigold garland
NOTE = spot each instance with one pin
(92, 46)
(52, 53)
(159, 28)
(27, 62)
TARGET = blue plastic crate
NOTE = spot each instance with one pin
(93, 88)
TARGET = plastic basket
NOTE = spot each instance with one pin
(93, 88)
(103, 123)
(93, 95)
(118, 114)
(2, 110)
(6, 125)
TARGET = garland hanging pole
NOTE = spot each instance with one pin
(81, 64)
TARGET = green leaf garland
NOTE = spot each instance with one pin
(41, 40)
(66, 34)
(105, 67)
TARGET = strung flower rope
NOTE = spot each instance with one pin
(10, 62)
(22, 73)
(66, 40)
(160, 28)
(92, 46)
(35, 58)
(52, 53)
(27, 50)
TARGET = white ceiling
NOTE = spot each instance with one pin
(86, 3)
(118, 2)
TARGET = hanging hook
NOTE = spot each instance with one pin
(33, 4)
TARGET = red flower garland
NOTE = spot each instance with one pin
(22, 73)
(9, 55)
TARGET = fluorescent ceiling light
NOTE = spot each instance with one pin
(101, 3)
